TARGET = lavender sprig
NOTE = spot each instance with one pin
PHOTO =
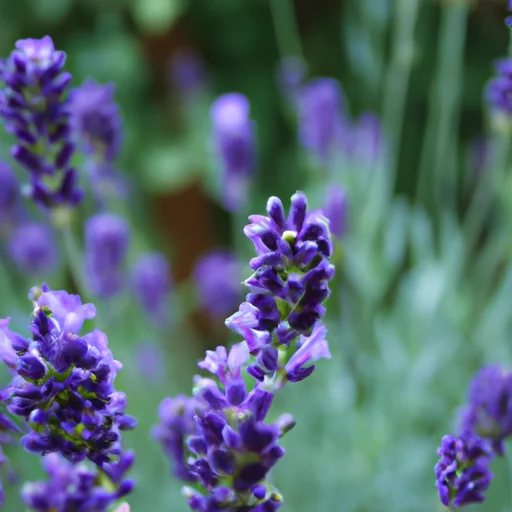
(219, 439)
(34, 108)
(64, 382)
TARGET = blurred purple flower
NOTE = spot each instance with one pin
(365, 140)
(217, 276)
(107, 238)
(489, 410)
(233, 134)
(321, 111)
(9, 193)
(33, 248)
(152, 282)
(187, 72)
(150, 360)
(94, 120)
(336, 209)
(499, 89)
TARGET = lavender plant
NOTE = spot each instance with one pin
(218, 439)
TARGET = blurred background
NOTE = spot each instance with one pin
(421, 297)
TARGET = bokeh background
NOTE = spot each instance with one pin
(420, 300)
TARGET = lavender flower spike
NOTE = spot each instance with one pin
(94, 120)
(489, 410)
(289, 285)
(34, 107)
(321, 112)
(74, 487)
(107, 238)
(64, 384)
(9, 195)
(152, 283)
(336, 209)
(33, 248)
(218, 281)
(233, 135)
(463, 473)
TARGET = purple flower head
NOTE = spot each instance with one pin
(94, 120)
(176, 422)
(462, 472)
(364, 142)
(218, 280)
(321, 109)
(33, 248)
(290, 280)
(233, 135)
(107, 238)
(309, 350)
(187, 72)
(9, 193)
(34, 107)
(64, 382)
(336, 209)
(489, 410)
(499, 89)
(72, 487)
(152, 284)
(150, 359)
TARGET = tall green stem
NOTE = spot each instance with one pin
(285, 27)
(397, 80)
(74, 260)
(438, 166)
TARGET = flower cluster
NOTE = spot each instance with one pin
(233, 134)
(489, 410)
(78, 487)
(486, 421)
(280, 318)
(64, 382)
(462, 472)
(499, 88)
(107, 238)
(34, 107)
(96, 127)
(219, 438)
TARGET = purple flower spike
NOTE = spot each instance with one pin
(64, 385)
(35, 110)
(321, 108)
(33, 249)
(107, 237)
(218, 280)
(94, 120)
(489, 410)
(365, 141)
(499, 89)
(71, 487)
(152, 283)
(463, 473)
(9, 194)
(187, 73)
(233, 135)
(336, 209)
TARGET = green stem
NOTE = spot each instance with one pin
(482, 200)
(397, 80)
(285, 27)
(74, 260)
(440, 140)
